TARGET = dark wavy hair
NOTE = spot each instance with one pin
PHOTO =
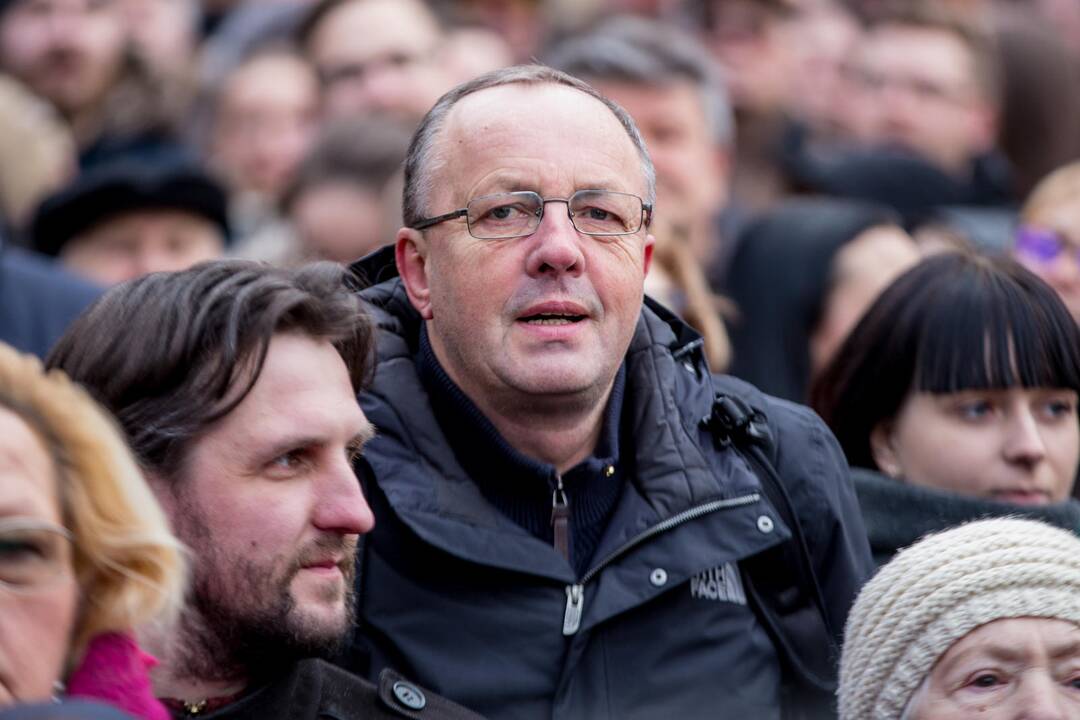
(171, 353)
(954, 322)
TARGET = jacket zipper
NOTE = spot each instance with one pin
(560, 519)
(575, 594)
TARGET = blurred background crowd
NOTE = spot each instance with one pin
(814, 159)
(808, 151)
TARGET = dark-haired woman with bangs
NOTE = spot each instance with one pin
(956, 397)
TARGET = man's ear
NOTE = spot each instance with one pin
(985, 124)
(883, 451)
(722, 166)
(411, 255)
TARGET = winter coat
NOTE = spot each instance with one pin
(897, 513)
(317, 690)
(454, 593)
(38, 300)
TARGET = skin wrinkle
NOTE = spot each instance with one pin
(556, 263)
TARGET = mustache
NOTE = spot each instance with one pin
(565, 289)
(328, 544)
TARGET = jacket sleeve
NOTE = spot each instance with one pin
(816, 475)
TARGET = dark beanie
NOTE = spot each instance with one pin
(123, 186)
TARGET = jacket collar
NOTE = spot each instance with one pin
(668, 392)
(899, 513)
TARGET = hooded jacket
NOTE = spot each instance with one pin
(455, 594)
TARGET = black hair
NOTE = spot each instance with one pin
(780, 278)
(954, 322)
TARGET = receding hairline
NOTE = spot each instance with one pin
(452, 124)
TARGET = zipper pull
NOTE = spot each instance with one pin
(575, 599)
(560, 519)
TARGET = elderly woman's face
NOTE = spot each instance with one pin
(1005, 670)
(38, 592)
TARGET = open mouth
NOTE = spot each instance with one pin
(552, 319)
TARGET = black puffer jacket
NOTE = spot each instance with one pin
(457, 595)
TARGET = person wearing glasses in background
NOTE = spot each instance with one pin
(1047, 240)
(85, 551)
(560, 534)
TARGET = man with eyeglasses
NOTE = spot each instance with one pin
(561, 532)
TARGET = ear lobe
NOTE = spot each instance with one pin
(650, 243)
(881, 447)
(411, 255)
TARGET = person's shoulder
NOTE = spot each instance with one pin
(787, 419)
(346, 695)
(31, 272)
(66, 710)
(38, 300)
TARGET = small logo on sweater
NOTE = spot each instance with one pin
(721, 584)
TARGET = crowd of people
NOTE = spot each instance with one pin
(540, 359)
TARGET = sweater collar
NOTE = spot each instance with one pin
(474, 437)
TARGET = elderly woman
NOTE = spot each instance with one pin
(955, 398)
(981, 621)
(85, 551)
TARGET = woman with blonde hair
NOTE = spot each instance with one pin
(1047, 241)
(86, 554)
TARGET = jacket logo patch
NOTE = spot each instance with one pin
(721, 584)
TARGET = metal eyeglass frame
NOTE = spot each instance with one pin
(645, 219)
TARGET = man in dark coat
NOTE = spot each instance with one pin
(562, 532)
(235, 385)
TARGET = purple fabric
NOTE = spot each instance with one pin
(1042, 245)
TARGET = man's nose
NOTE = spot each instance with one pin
(1024, 440)
(340, 506)
(556, 244)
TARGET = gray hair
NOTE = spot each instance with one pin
(423, 157)
(646, 52)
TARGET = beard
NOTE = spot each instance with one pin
(241, 620)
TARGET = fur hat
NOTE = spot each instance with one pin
(937, 591)
(164, 180)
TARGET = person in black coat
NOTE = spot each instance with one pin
(800, 277)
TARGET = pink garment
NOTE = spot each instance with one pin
(116, 671)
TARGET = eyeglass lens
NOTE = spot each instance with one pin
(1043, 246)
(32, 557)
(594, 212)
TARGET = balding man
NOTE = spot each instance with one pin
(570, 522)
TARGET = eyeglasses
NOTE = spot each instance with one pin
(33, 554)
(517, 214)
(1043, 246)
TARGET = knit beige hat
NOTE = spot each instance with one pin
(937, 591)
